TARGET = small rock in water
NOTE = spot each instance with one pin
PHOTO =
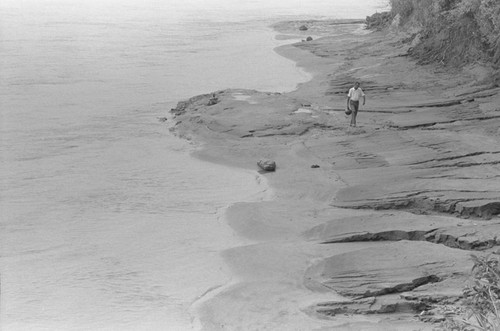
(267, 165)
(315, 166)
(162, 119)
(303, 28)
(309, 39)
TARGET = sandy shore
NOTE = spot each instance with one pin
(378, 234)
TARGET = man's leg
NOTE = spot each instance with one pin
(354, 108)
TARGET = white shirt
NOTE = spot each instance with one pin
(355, 95)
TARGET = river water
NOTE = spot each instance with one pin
(107, 222)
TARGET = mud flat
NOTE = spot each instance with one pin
(372, 227)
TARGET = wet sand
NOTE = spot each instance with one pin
(378, 234)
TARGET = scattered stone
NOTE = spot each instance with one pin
(267, 165)
(309, 38)
(315, 166)
(213, 100)
(180, 109)
(303, 28)
(162, 119)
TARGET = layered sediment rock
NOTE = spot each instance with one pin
(390, 269)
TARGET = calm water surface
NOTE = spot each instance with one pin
(107, 222)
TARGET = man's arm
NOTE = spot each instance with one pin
(364, 99)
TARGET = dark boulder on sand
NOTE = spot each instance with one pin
(267, 165)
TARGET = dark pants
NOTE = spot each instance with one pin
(354, 107)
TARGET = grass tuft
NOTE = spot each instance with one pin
(482, 297)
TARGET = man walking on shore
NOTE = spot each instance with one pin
(355, 93)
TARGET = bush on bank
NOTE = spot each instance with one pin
(452, 32)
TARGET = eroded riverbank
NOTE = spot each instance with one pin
(382, 228)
